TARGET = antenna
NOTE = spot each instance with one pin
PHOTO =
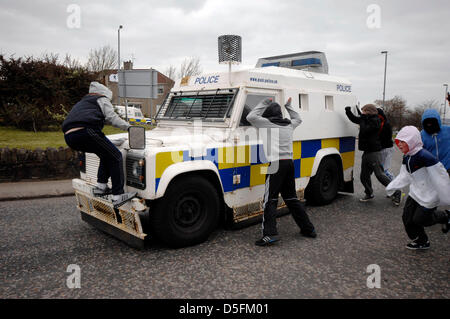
(230, 51)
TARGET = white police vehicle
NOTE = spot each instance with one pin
(204, 163)
(134, 112)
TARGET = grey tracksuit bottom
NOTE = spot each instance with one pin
(282, 180)
(371, 163)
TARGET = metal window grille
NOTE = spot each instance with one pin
(207, 105)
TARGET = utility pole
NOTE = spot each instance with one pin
(385, 67)
(445, 100)
(118, 63)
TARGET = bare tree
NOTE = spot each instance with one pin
(104, 58)
(52, 58)
(395, 110)
(72, 63)
(416, 115)
(190, 66)
(428, 104)
(171, 72)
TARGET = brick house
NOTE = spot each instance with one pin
(149, 106)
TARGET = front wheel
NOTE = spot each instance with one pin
(323, 187)
(188, 212)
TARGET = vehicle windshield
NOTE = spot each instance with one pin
(213, 105)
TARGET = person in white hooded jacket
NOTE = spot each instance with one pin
(83, 132)
(429, 187)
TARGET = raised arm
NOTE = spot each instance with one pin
(295, 117)
(255, 116)
(351, 116)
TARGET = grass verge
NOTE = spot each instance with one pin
(12, 137)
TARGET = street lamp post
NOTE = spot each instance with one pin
(385, 67)
(118, 62)
(445, 99)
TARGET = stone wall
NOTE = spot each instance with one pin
(48, 164)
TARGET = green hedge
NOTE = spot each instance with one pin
(36, 94)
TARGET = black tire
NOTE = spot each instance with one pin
(187, 214)
(322, 189)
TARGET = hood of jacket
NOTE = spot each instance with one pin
(273, 114)
(432, 114)
(411, 136)
(381, 112)
(98, 88)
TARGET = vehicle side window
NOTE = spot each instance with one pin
(329, 105)
(303, 102)
(250, 103)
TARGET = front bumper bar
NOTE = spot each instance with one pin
(123, 223)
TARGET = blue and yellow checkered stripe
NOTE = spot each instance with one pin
(133, 120)
(249, 162)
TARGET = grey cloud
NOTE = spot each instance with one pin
(163, 33)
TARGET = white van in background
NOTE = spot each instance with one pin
(134, 111)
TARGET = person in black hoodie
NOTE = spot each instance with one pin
(370, 143)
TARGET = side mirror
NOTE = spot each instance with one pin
(136, 137)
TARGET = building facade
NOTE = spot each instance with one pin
(149, 107)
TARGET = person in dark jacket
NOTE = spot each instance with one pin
(83, 132)
(369, 142)
(387, 144)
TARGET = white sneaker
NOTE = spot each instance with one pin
(119, 200)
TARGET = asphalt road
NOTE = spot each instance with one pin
(40, 238)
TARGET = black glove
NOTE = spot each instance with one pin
(348, 109)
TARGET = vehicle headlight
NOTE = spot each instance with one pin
(135, 171)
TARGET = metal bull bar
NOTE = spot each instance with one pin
(123, 223)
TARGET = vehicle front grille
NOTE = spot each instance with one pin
(92, 164)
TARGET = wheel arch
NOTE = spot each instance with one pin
(332, 153)
(176, 171)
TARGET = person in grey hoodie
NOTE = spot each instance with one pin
(280, 177)
(83, 132)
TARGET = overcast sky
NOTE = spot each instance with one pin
(160, 33)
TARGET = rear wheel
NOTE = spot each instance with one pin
(323, 187)
(188, 212)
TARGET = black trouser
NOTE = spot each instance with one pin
(282, 180)
(370, 163)
(111, 162)
(416, 217)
